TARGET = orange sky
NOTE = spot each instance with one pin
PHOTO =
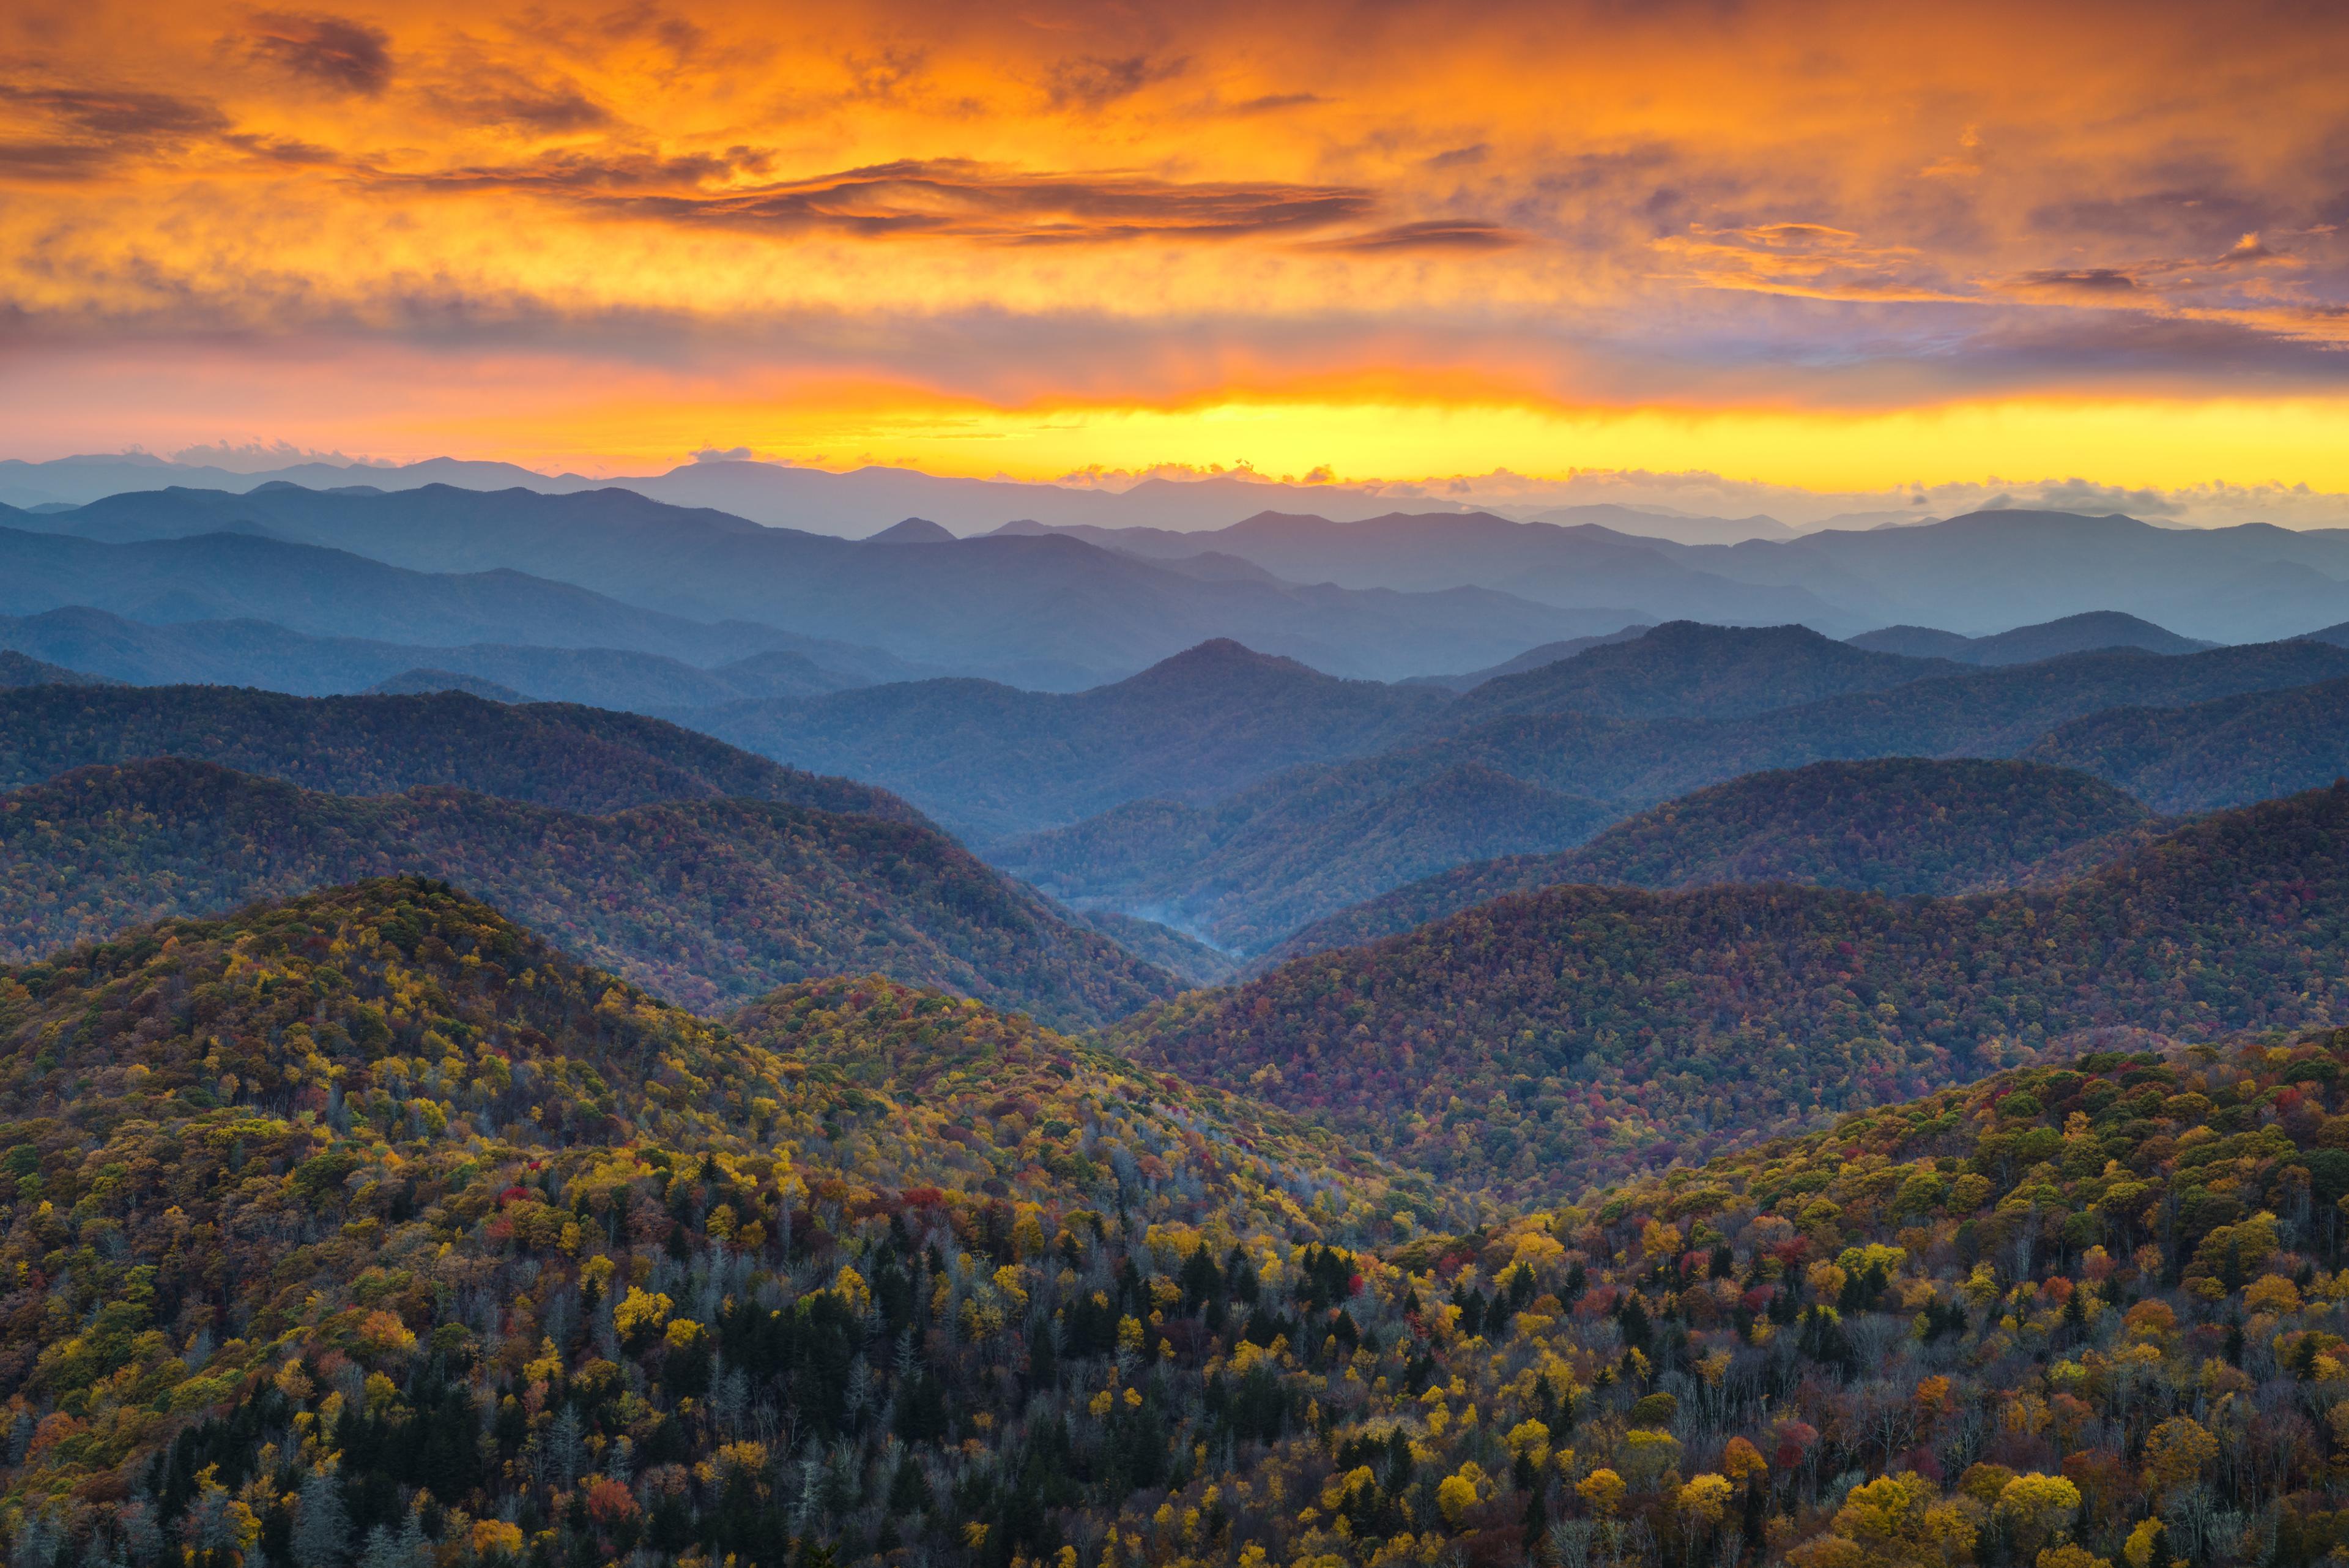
(1843, 246)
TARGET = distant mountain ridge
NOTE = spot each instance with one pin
(1046, 613)
(991, 760)
(1684, 670)
(259, 653)
(2084, 633)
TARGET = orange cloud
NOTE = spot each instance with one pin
(1848, 210)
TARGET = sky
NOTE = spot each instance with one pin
(1842, 248)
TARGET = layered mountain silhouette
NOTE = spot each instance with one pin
(1049, 612)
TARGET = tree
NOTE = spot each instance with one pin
(321, 1528)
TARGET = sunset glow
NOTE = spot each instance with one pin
(1827, 245)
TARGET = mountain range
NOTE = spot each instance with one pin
(261, 653)
(1044, 612)
(1180, 862)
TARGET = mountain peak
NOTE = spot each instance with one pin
(1223, 656)
(912, 531)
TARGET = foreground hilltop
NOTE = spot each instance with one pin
(365, 1227)
(549, 1240)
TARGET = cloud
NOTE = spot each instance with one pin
(333, 52)
(936, 197)
(79, 132)
(1431, 234)
(505, 98)
(1459, 157)
(721, 454)
(1273, 102)
(1092, 82)
(2085, 495)
(2094, 280)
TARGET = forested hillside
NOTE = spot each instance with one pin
(706, 901)
(369, 1223)
(2221, 752)
(368, 1229)
(22, 669)
(1899, 824)
(580, 759)
(1544, 1042)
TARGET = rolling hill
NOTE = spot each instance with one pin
(2226, 752)
(2084, 633)
(491, 1164)
(22, 669)
(1544, 1042)
(1899, 825)
(707, 902)
(991, 761)
(572, 758)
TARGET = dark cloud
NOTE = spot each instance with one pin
(1459, 157)
(280, 149)
(1272, 102)
(1092, 82)
(682, 38)
(331, 51)
(1432, 234)
(2094, 280)
(945, 197)
(547, 108)
(80, 132)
